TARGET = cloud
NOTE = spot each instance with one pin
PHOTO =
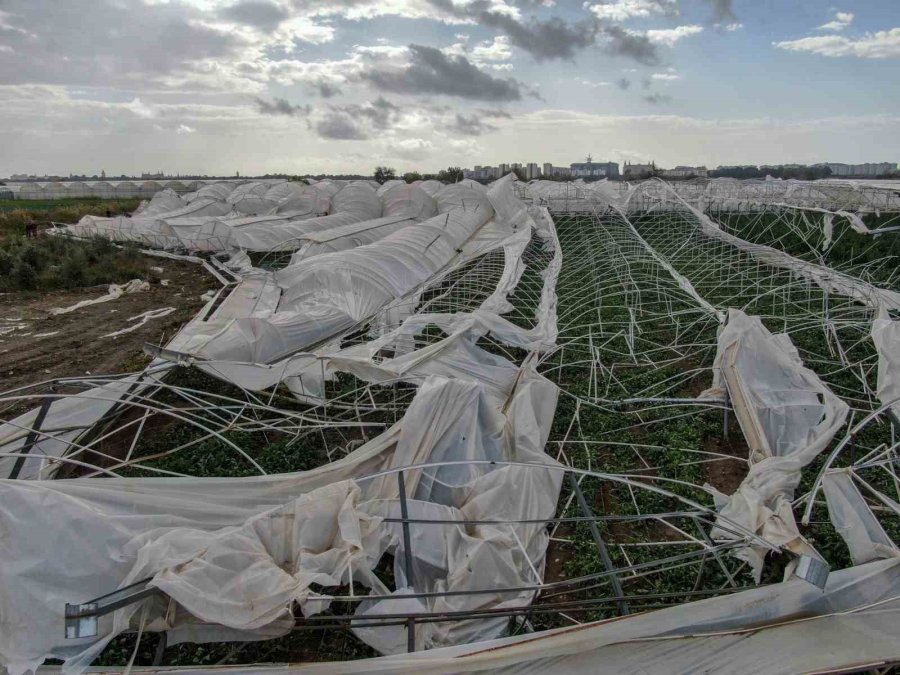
(841, 21)
(591, 83)
(359, 121)
(498, 50)
(141, 109)
(665, 77)
(623, 83)
(656, 99)
(411, 148)
(108, 43)
(553, 38)
(723, 11)
(430, 71)
(621, 10)
(622, 42)
(184, 129)
(327, 90)
(339, 126)
(470, 125)
(260, 14)
(731, 27)
(884, 44)
(669, 36)
(280, 106)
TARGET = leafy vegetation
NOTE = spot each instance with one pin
(385, 173)
(15, 214)
(53, 263)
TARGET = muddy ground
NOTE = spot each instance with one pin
(36, 345)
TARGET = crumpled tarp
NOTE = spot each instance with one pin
(787, 415)
(854, 520)
(238, 552)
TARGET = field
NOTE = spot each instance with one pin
(37, 275)
(16, 213)
(649, 434)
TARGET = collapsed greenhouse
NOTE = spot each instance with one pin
(541, 426)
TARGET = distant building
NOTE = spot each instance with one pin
(482, 173)
(685, 172)
(637, 170)
(532, 171)
(592, 169)
(869, 169)
(551, 171)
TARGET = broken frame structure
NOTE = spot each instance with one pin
(470, 426)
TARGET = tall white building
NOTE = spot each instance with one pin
(868, 169)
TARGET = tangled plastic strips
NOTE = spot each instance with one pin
(634, 360)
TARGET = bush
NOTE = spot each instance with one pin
(50, 263)
(6, 263)
(25, 276)
(73, 272)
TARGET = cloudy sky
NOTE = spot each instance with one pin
(308, 86)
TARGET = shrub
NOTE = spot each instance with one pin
(6, 263)
(25, 276)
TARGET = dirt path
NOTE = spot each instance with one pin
(42, 346)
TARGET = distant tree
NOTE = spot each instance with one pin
(452, 174)
(384, 174)
(412, 176)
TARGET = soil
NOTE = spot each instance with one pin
(44, 346)
(726, 475)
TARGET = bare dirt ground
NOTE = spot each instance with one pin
(43, 346)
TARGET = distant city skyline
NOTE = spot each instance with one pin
(601, 169)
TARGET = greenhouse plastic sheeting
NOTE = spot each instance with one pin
(403, 205)
(853, 519)
(826, 278)
(208, 542)
(886, 336)
(162, 202)
(305, 373)
(355, 203)
(67, 417)
(787, 415)
(782, 629)
(332, 292)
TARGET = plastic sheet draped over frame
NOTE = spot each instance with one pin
(213, 544)
(779, 629)
(403, 205)
(854, 520)
(329, 293)
(788, 416)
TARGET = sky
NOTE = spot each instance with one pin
(340, 86)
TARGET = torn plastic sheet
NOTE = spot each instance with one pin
(403, 205)
(787, 415)
(330, 293)
(114, 292)
(826, 278)
(886, 336)
(781, 629)
(140, 320)
(853, 519)
(305, 373)
(214, 544)
(67, 417)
